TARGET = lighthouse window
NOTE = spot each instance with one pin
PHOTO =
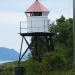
(37, 14)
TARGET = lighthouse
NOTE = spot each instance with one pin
(37, 18)
(37, 27)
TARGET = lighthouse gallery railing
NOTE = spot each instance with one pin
(24, 28)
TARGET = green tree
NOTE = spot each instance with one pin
(63, 43)
(63, 28)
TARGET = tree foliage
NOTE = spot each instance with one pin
(63, 28)
(63, 52)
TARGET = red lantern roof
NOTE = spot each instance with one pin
(37, 7)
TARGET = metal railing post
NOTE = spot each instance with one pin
(31, 26)
(20, 26)
(44, 25)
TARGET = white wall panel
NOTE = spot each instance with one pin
(37, 24)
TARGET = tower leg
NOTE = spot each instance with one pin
(49, 43)
(20, 52)
(37, 53)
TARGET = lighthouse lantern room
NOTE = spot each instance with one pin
(37, 18)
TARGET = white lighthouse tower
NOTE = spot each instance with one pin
(37, 26)
(37, 18)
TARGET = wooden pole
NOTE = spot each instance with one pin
(74, 33)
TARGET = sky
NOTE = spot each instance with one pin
(12, 12)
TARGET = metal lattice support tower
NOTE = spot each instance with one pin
(49, 44)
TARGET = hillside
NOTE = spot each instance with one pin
(7, 54)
